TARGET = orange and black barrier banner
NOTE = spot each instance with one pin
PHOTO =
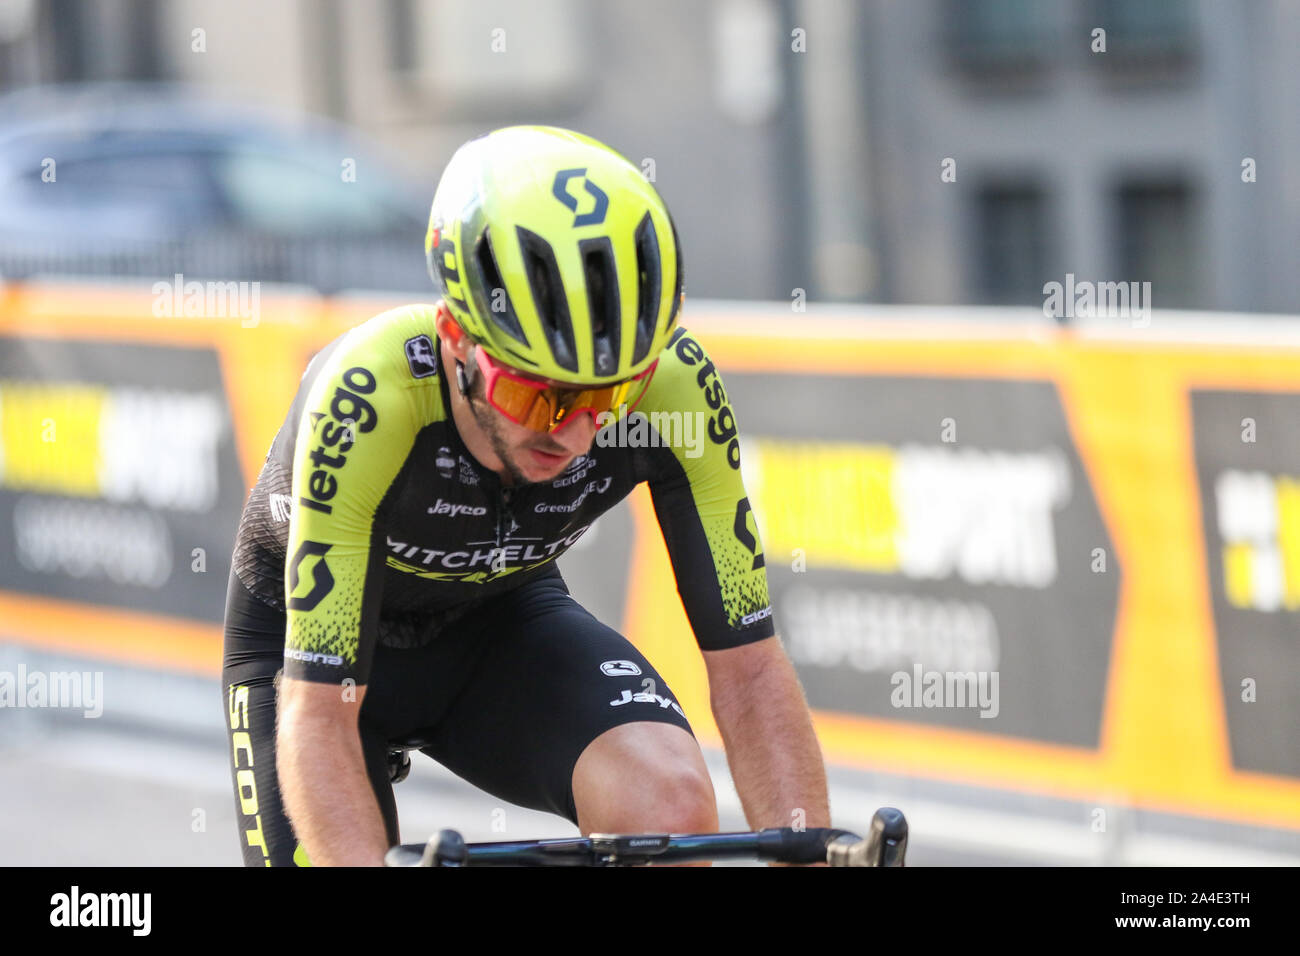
(119, 477)
(1058, 564)
(1033, 560)
(1248, 478)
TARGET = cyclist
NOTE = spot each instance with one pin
(394, 571)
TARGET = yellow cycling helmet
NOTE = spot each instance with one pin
(555, 255)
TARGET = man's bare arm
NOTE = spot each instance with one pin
(773, 753)
(322, 772)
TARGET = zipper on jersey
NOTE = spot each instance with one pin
(503, 511)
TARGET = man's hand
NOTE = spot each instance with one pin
(322, 772)
(767, 730)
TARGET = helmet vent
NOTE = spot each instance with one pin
(676, 305)
(602, 302)
(649, 281)
(497, 306)
(548, 296)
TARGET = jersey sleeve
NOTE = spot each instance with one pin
(358, 424)
(700, 501)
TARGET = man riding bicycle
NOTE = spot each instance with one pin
(394, 576)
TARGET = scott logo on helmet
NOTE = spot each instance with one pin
(349, 413)
(560, 189)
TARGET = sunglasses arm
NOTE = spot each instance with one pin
(462, 379)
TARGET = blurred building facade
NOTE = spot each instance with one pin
(943, 151)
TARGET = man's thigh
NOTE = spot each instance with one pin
(552, 679)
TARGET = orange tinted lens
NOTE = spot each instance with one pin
(515, 400)
(549, 408)
(634, 390)
(621, 398)
(611, 398)
(597, 398)
(539, 417)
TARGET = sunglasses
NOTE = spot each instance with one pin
(542, 407)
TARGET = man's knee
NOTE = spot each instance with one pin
(680, 800)
(644, 777)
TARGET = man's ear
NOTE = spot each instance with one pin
(449, 331)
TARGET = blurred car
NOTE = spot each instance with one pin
(130, 180)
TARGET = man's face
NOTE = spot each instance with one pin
(530, 457)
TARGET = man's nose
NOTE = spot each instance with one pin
(576, 434)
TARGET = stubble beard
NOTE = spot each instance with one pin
(487, 420)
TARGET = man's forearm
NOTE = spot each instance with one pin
(327, 793)
(772, 750)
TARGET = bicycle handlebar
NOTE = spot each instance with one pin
(884, 845)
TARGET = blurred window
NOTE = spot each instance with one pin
(402, 35)
(746, 59)
(1011, 224)
(1157, 242)
(304, 196)
(133, 172)
(500, 55)
(999, 35)
(171, 186)
(98, 41)
(63, 27)
(1152, 32)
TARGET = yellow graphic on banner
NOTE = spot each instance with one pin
(833, 500)
(49, 437)
(1236, 573)
(927, 512)
(1288, 533)
(1259, 518)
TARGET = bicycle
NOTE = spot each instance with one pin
(884, 845)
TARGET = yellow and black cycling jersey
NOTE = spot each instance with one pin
(371, 521)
